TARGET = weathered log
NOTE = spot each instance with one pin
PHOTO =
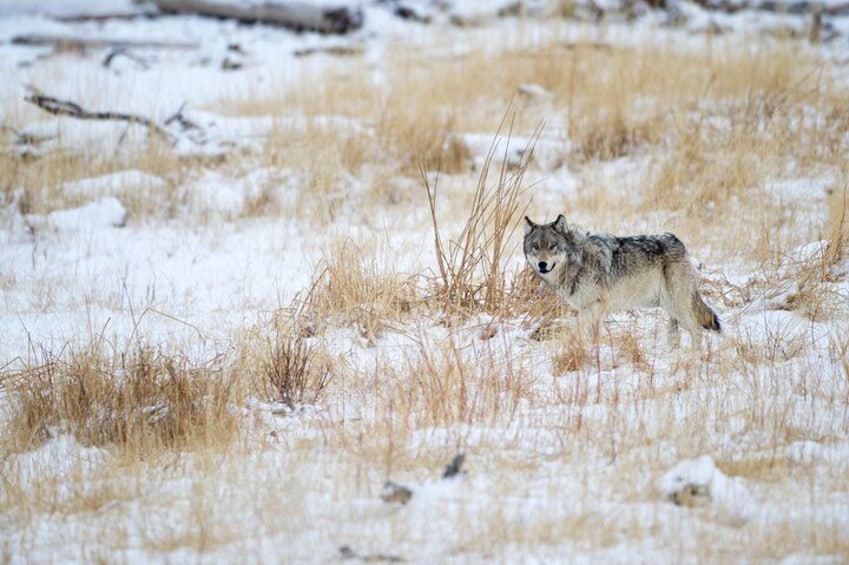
(294, 15)
(796, 8)
(81, 43)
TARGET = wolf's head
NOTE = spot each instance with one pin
(550, 247)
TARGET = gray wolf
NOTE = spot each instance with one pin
(597, 274)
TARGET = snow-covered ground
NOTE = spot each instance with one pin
(640, 453)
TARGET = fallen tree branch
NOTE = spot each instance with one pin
(105, 17)
(67, 108)
(798, 7)
(81, 43)
(294, 15)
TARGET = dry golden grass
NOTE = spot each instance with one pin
(573, 355)
(471, 276)
(326, 156)
(528, 292)
(140, 402)
(36, 183)
(710, 127)
(632, 351)
(837, 227)
(451, 386)
(718, 120)
(714, 122)
(353, 287)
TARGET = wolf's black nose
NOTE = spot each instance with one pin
(542, 265)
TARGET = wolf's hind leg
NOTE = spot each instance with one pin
(677, 300)
(695, 337)
(679, 317)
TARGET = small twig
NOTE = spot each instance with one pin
(431, 199)
(178, 117)
(346, 553)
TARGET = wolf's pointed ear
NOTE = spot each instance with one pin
(529, 225)
(560, 224)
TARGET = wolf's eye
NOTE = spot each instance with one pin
(552, 247)
(535, 246)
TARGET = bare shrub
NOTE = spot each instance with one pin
(805, 283)
(293, 371)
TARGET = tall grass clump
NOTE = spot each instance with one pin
(138, 402)
(354, 289)
(471, 276)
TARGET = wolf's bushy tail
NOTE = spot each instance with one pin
(704, 315)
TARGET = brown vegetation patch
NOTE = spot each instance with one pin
(141, 401)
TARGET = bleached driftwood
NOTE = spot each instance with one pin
(80, 43)
(294, 15)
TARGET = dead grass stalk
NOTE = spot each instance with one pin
(471, 276)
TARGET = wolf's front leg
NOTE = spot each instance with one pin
(595, 315)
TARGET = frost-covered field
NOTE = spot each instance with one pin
(220, 341)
